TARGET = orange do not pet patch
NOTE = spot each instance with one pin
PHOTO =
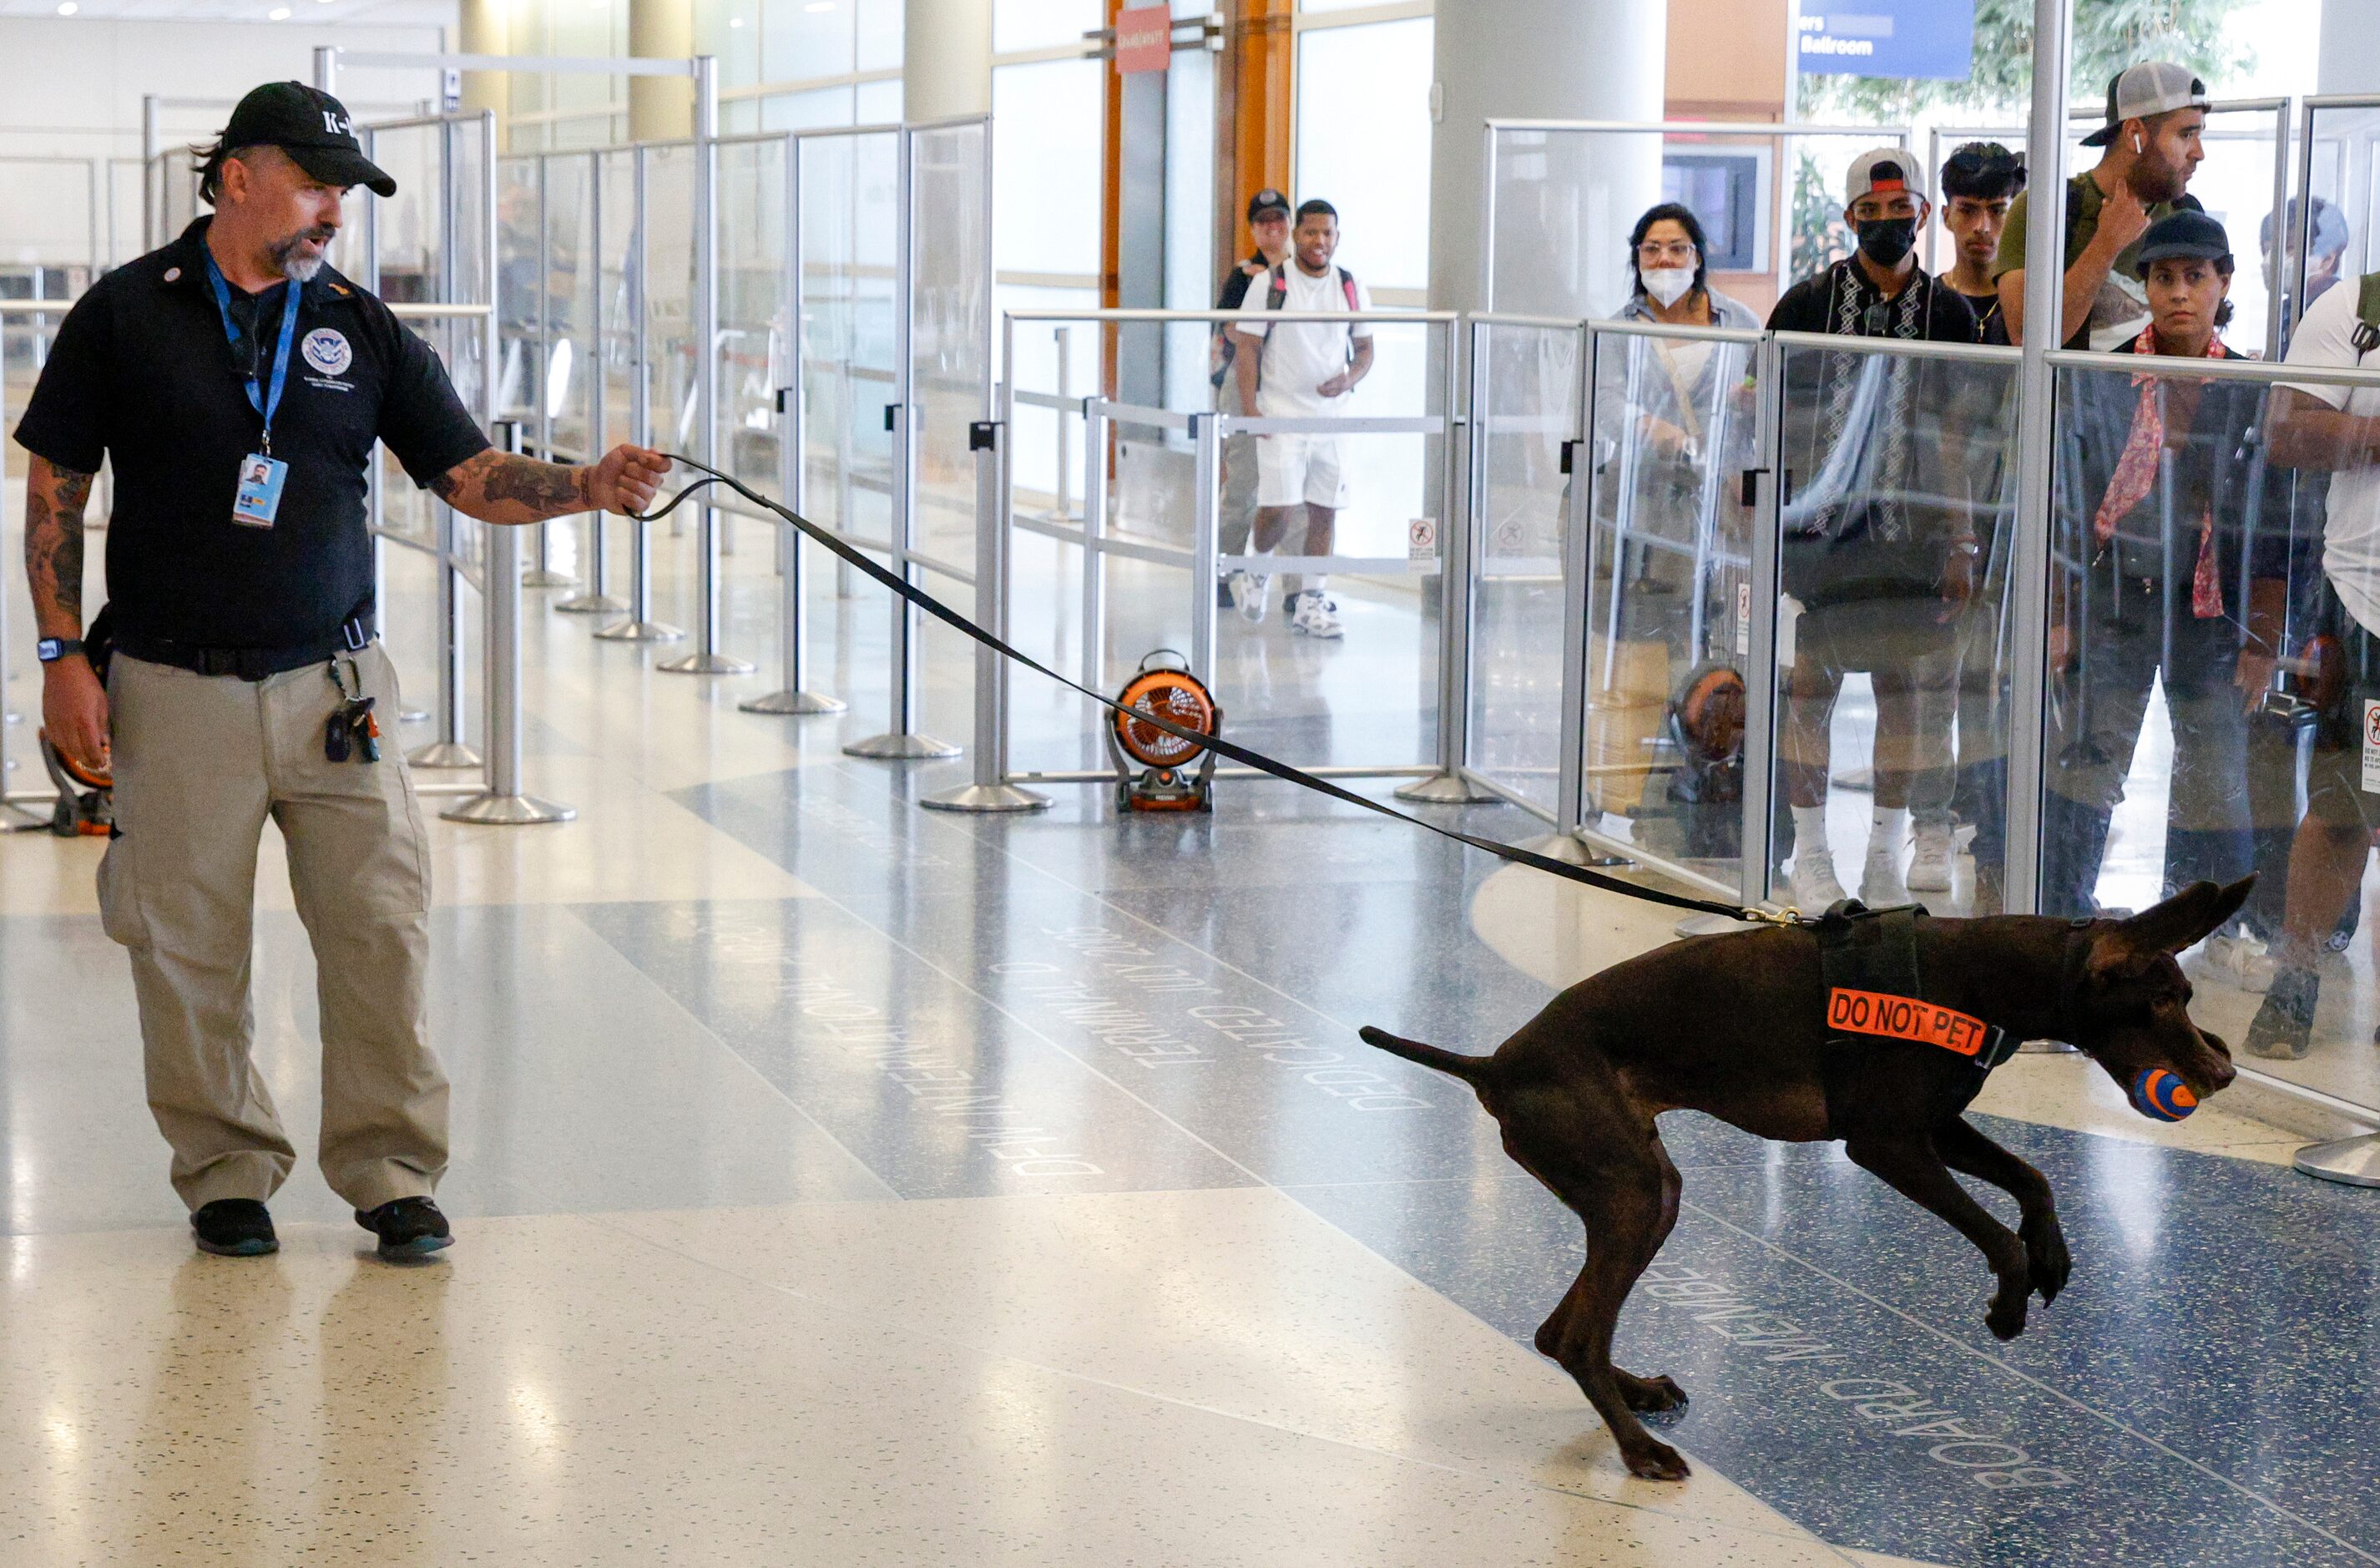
(1904, 1018)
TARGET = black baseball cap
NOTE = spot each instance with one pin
(312, 127)
(1267, 201)
(2186, 233)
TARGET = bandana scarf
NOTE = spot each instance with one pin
(2135, 476)
(1850, 298)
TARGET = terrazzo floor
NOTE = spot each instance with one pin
(842, 1183)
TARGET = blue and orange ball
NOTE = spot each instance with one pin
(2162, 1096)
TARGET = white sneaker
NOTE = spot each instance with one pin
(1929, 868)
(1880, 884)
(2241, 962)
(1248, 595)
(1815, 887)
(1314, 617)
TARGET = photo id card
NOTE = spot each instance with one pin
(259, 496)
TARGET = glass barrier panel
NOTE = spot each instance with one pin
(669, 295)
(1667, 599)
(949, 332)
(616, 265)
(1896, 475)
(2214, 676)
(1531, 381)
(755, 345)
(573, 297)
(849, 201)
(521, 303)
(2344, 242)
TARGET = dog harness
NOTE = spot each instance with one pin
(1886, 1042)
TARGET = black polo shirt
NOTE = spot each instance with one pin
(142, 374)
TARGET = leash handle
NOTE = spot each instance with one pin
(1236, 752)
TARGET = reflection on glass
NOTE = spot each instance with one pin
(1668, 603)
(1891, 630)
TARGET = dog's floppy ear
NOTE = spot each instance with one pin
(2186, 916)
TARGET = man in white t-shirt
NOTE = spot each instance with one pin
(1300, 369)
(2335, 430)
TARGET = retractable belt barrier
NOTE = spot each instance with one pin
(1237, 753)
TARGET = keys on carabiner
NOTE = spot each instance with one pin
(350, 731)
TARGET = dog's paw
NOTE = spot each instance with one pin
(2047, 1260)
(1650, 1394)
(1656, 1461)
(2006, 1320)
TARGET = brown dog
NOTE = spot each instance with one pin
(1734, 1026)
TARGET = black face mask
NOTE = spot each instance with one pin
(1887, 240)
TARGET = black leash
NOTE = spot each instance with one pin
(1237, 753)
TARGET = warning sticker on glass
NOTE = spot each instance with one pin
(2372, 745)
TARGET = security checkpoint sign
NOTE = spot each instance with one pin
(1144, 39)
(1932, 39)
(1421, 542)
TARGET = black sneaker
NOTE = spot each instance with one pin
(409, 1227)
(2283, 1027)
(233, 1227)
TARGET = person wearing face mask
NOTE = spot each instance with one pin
(2156, 111)
(1665, 259)
(1880, 549)
(2163, 579)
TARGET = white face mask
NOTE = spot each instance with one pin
(1667, 285)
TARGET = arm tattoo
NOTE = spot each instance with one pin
(504, 487)
(54, 498)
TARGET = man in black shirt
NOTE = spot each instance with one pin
(237, 387)
(1268, 222)
(1875, 562)
(1980, 181)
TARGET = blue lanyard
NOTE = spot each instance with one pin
(266, 403)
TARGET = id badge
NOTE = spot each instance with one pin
(258, 499)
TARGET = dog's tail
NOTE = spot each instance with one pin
(1470, 1069)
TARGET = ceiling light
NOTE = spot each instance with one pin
(817, 6)
(67, 7)
(278, 14)
(735, 21)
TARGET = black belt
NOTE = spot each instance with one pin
(352, 635)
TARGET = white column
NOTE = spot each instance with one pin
(2350, 48)
(1534, 59)
(487, 30)
(661, 108)
(946, 59)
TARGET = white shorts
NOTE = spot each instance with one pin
(1297, 468)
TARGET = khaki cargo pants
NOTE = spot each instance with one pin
(201, 762)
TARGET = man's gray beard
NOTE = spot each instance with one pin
(296, 267)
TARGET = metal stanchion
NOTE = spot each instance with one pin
(595, 538)
(1095, 560)
(901, 742)
(449, 750)
(641, 626)
(793, 639)
(1206, 499)
(991, 791)
(503, 804)
(706, 659)
(1578, 520)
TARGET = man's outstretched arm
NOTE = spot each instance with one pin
(504, 487)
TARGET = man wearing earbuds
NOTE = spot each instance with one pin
(1879, 549)
(2156, 111)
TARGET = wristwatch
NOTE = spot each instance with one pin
(50, 649)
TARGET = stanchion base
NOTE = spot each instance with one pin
(593, 604)
(1570, 851)
(508, 812)
(708, 664)
(413, 715)
(1444, 789)
(901, 748)
(986, 798)
(2354, 1161)
(793, 702)
(641, 631)
(548, 579)
(443, 754)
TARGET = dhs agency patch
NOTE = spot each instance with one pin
(326, 349)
